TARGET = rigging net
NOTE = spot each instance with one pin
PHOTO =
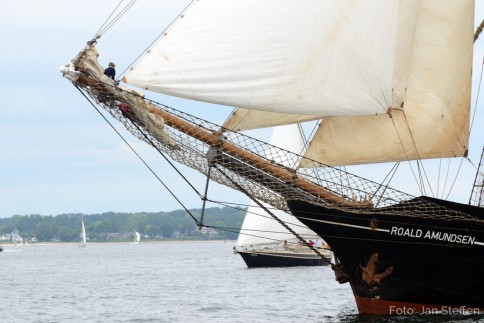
(241, 159)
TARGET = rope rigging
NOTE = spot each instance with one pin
(108, 24)
(199, 223)
(393, 171)
(234, 183)
(140, 158)
(329, 193)
(476, 106)
(353, 182)
(158, 37)
(419, 162)
(192, 150)
(274, 216)
(112, 19)
(406, 157)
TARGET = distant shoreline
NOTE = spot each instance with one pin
(43, 244)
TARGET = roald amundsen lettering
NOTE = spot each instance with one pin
(432, 235)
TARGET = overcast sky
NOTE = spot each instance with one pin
(57, 154)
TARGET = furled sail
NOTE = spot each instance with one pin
(258, 226)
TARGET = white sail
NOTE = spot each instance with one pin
(320, 58)
(434, 121)
(83, 233)
(136, 237)
(245, 119)
(429, 84)
(258, 226)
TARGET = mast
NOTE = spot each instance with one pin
(477, 194)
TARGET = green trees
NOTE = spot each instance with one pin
(67, 227)
(44, 231)
(66, 234)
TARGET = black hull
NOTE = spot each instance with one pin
(257, 259)
(404, 265)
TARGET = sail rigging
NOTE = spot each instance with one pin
(260, 228)
(477, 195)
(197, 143)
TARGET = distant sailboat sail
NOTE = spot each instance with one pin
(83, 234)
(136, 237)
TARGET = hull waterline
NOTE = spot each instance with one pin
(257, 259)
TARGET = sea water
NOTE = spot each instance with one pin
(170, 282)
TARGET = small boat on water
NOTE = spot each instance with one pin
(265, 242)
(136, 237)
(289, 254)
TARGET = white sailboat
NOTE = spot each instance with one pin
(265, 242)
(83, 234)
(391, 81)
(136, 237)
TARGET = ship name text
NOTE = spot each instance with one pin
(432, 235)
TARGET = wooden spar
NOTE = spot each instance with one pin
(279, 172)
(216, 140)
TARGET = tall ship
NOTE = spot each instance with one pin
(386, 82)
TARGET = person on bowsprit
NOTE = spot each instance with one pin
(110, 71)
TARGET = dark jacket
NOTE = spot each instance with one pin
(110, 72)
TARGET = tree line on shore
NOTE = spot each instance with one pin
(111, 226)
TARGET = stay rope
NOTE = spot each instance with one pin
(239, 187)
(406, 156)
(139, 157)
(109, 23)
(199, 223)
(157, 37)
